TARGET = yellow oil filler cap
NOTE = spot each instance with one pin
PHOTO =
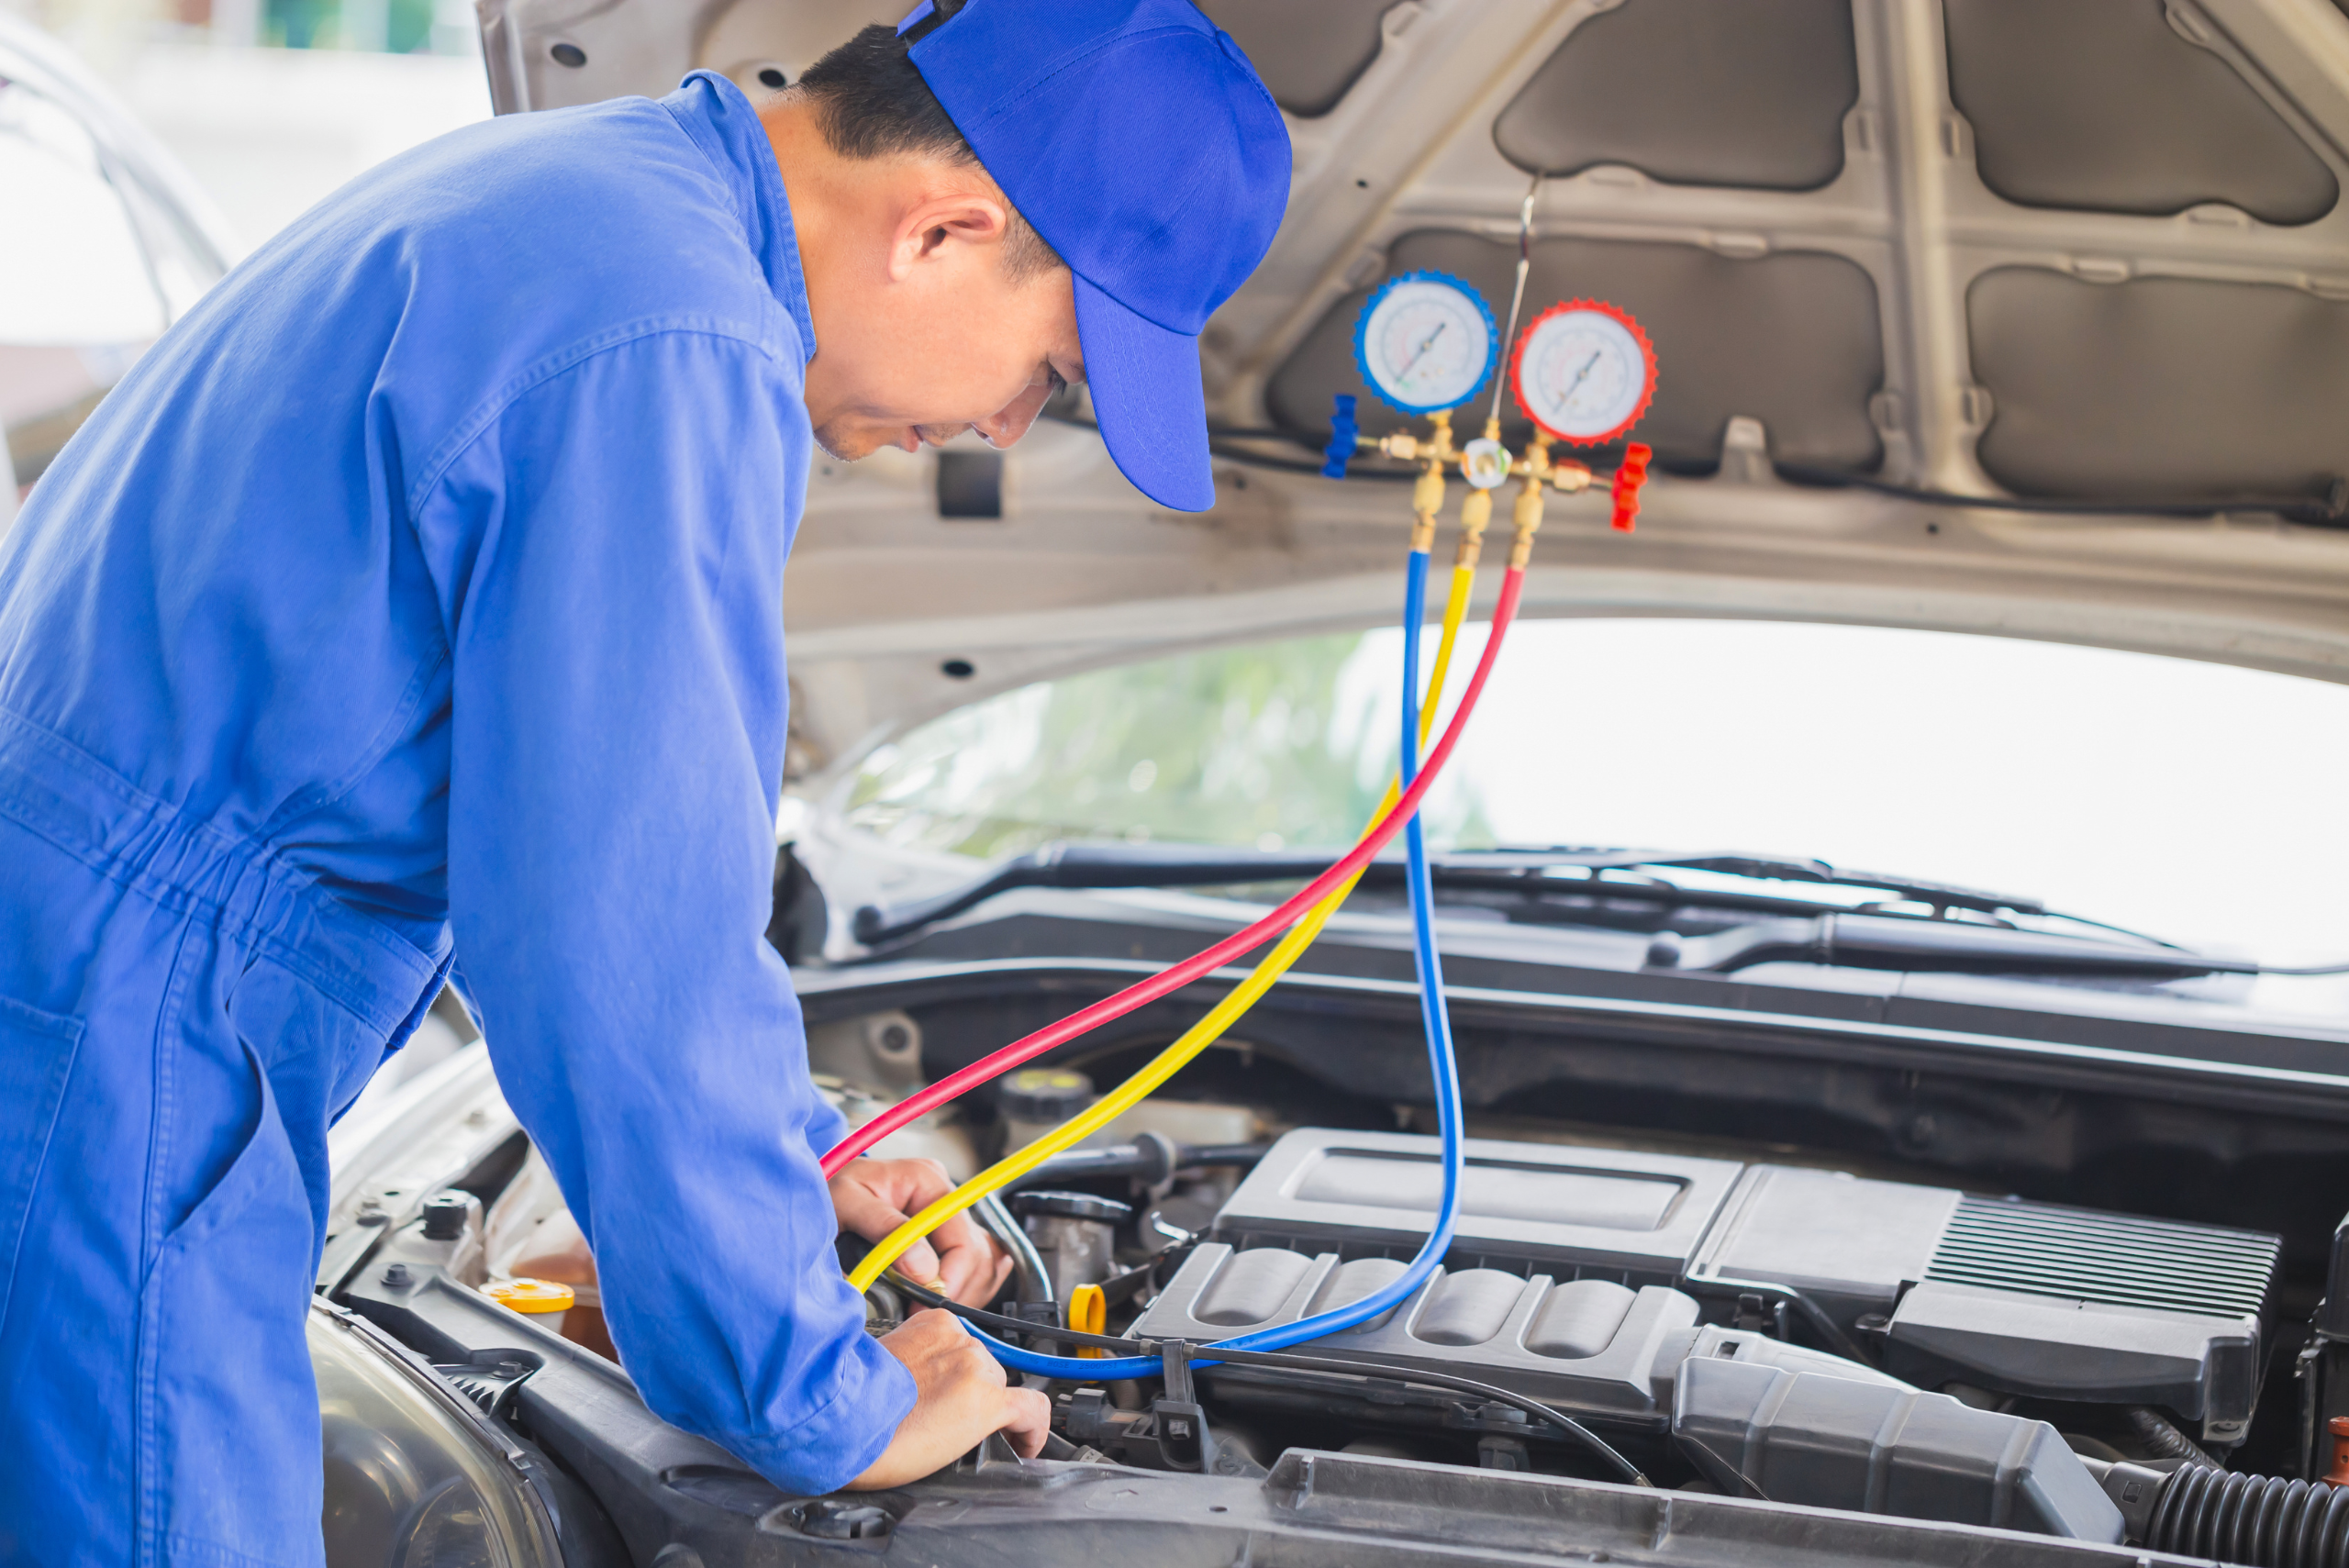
(1088, 1313)
(532, 1295)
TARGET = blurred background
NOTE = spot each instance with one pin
(271, 104)
(146, 145)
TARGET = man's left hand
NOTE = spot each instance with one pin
(872, 1197)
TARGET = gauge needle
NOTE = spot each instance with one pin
(1580, 373)
(1425, 344)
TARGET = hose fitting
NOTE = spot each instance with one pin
(1529, 523)
(1472, 541)
(1427, 495)
(1475, 514)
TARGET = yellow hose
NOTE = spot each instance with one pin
(1201, 1035)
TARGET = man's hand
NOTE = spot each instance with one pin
(873, 1197)
(961, 1396)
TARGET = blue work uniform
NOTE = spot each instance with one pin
(418, 594)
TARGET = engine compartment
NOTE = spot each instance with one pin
(1571, 1260)
(1738, 1318)
(1751, 1327)
(1747, 1328)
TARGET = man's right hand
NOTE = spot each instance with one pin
(960, 1396)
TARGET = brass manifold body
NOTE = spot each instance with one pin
(1435, 453)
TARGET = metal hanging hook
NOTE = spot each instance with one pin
(1517, 295)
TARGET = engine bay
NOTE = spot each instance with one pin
(1714, 1316)
(1573, 1262)
(1753, 1329)
(1750, 1328)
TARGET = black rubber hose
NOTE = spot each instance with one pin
(1150, 1158)
(1830, 1334)
(2163, 1437)
(2262, 1521)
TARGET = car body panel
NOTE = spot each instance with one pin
(1949, 238)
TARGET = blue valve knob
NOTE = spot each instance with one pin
(1342, 434)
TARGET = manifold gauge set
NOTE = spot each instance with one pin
(1582, 371)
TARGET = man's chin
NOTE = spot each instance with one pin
(845, 444)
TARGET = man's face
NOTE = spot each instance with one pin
(950, 344)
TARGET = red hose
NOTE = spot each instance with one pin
(1141, 992)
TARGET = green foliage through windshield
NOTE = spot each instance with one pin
(1289, 744)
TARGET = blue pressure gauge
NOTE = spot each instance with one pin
(1426, 341)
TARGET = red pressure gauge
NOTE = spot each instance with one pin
(1583, 372)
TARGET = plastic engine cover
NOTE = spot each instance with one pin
(2022, 1297)
(1592, 1345)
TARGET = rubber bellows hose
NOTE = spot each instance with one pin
(2264, 1521)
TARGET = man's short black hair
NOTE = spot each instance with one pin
(873, 103)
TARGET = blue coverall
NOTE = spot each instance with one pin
(420, 593)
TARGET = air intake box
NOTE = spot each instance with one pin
(1836, 1443)
(2022, 1297)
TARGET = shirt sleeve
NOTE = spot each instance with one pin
(826, 1127)
(609, 552)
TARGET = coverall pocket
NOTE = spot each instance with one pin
(37, 1052)
(261, 1166)
(230, 1429)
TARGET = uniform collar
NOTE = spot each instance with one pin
(722, 123)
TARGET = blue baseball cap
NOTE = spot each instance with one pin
(1136, 138)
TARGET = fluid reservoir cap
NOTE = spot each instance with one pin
(1072, 1206)
(1044, 1094)
(445, 1215)
(532, 1295)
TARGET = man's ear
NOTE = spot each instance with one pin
(944, 219)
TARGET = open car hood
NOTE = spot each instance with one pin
(2051, 251)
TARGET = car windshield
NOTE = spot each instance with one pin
(2195, 801)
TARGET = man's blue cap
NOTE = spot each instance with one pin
(1135, 137)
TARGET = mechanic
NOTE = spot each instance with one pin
(418, 598)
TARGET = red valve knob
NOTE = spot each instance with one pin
(1630, 474)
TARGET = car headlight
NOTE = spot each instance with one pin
(415, 1478)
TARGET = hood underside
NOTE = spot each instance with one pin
(2045, 252)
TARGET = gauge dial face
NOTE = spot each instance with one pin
(1583, 372)
(1426, 341)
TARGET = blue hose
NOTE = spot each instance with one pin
(1442, 1064)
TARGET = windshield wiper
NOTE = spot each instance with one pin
(1091, 865)
(1802, 931)
(1861, 940)
(1087, 866)
(1917, 947)
(1940, 896)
